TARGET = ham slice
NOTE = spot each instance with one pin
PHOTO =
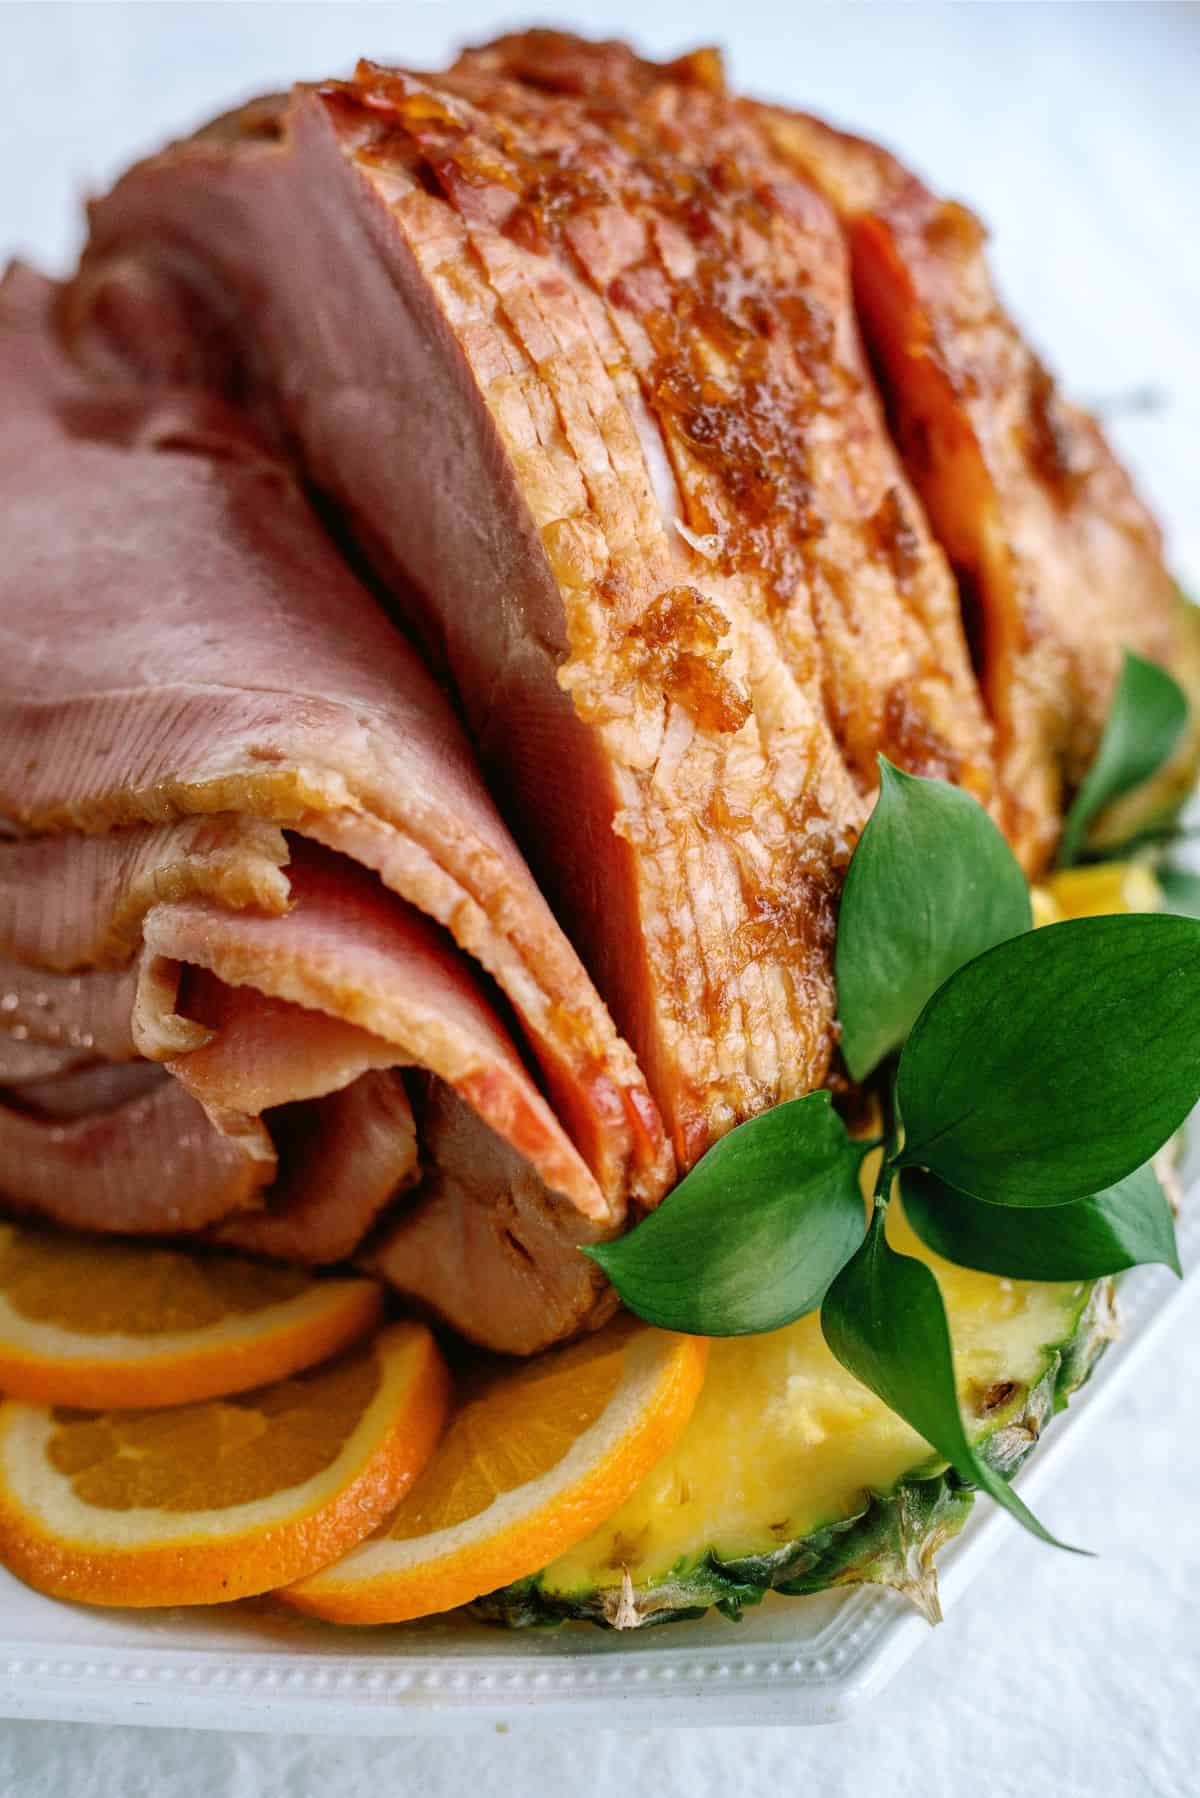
(21, 1060)
(71, 1092)
(1060, 564)
(387, 991)
(82, 906)
(190, 669)
(75, 1016)
(153, 1166)
(342, 1161)
(589, 393)
(484, 1236)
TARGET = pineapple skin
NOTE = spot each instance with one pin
(896, 1532)
(893, 1540)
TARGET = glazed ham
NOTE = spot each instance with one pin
(560, 366)
(609, 417)
(1059, 565)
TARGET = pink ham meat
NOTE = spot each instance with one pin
(150, 1166)
(391, 993)
(102, 889)
(581, 371)
(70, 1018)
(342, 1160)
(188, 671)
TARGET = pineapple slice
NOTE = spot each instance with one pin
(1097, 890)
(792, 1476)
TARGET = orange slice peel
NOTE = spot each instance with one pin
(536, 1456)
(223, 1499)
(106, 1324)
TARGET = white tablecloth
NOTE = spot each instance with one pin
(1074, 130)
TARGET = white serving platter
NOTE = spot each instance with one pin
(792, 1660)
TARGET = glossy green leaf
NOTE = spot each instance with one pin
(1056, 1064)
(931, 884)
(885, 1321)
(751, 1238)
(1147, 715)
(1129, 1225)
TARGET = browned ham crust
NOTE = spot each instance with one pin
(589, 376)
(1060, 564)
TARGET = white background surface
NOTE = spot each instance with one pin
(1075, 130)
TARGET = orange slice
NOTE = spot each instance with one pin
(105, 1324)
(536, 1457)
(219, 1500)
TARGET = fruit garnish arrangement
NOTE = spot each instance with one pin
(598, 977)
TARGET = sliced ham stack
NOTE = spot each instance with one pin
(254, 872)
(569, 348)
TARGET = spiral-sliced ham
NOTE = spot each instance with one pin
(188, 669)
(556, 357)
(585, 380)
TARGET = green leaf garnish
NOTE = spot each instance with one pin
(1057, 1063)
(931, 884)
(885, 1321)
(1129, 1225)
(1144, 722)
(751, 1238)
(1037, 1071)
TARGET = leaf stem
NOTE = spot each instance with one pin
(885, 1178)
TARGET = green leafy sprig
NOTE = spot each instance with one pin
(752, 1237)
(884, 1319)
(1128, 1225)
(890, 961)
(1028, 1078)
(1145, 722)
(1121, 808)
